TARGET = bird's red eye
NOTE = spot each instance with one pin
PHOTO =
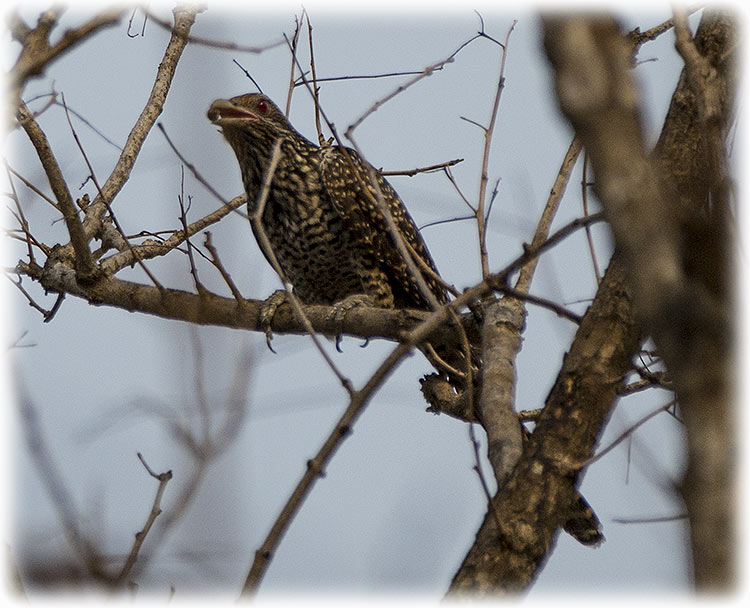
(262, 107)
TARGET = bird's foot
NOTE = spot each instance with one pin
(341, 308)
(267, 311)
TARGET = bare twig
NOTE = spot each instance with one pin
(84, 262)
(153, 249)
(27, 295)
(448, 220)
(585, 199)
(426, 270)
(33, 188)
(482, 479)
(248, 74)
(192, 168)
(61, 499)
(21, 217)
(429, 169)
(550, 209)
(300, 82)
(204, 446)
(183, 220)
(184, 17)
(106, 201)
(218, 44)
(293, 48)
(86, 122)
(37, 52)
(452, 180)
(657, 379)
(559, 310)
(650, 520)
(316, 467)
(603, 452)
(265, 244)
(220, 267)
(488, 132)
(316, 88)
(639, 38)
(140, 536)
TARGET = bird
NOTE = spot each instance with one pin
(322, 216)
(328, 232)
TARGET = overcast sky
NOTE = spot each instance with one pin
(400, 504)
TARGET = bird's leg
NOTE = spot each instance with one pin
(342, 307)
(268, 310)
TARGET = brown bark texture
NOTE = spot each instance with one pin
(670, 214)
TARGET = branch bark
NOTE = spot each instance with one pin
(669, 213)
(536, 498)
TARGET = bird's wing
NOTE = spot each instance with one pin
(346, 181)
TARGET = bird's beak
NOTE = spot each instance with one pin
(223, 112)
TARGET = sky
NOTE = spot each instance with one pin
(400, 503)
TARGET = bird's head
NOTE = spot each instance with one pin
(253, 114)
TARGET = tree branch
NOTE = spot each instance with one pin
(669, 214)
(37, 52)
(184, 17)
(537, 496)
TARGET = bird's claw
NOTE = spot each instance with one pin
(341, 308)
(267, 311)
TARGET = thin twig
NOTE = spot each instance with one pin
(446, 221)
(184, 17)
(248, 74)
(84, 263)
(559, 310)
(220, 267)
(550, 209)
(623, 436)
(21, 217)
(183, 220)
(86, 122)
(585, 199)
(265, 244)
(27, 295)
(293, 48)
(316, 88)
(37, 52)
(140, 536)
(299, 82)
(488, 132)
(50, 476)
(482, 480)
(218, 44)
(204, 448)
(413, 172)
(657, 379)
(452, 180)
(149, 250)
(192, 168)
(640, 38)
(33, 188)
(650, 520)
(425, 269)
(106, 201)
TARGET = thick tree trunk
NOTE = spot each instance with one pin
(669, 213)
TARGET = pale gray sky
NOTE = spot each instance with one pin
(400, 503)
